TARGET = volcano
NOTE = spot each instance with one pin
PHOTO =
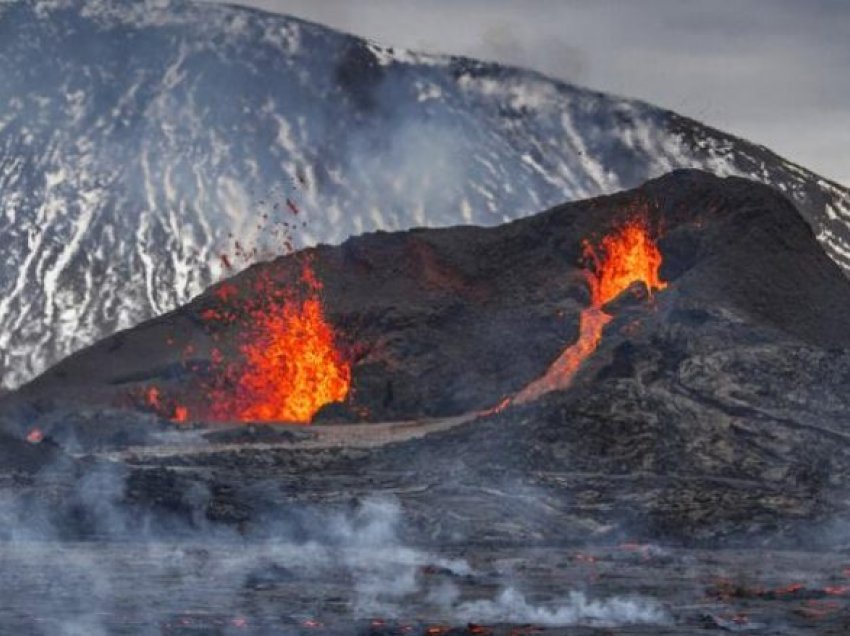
(127, 178)
(716, 356)
(648, 386)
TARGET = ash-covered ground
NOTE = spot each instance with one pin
(692, 477)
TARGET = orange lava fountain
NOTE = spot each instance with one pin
(626, 256)
(287, 368)
(290, 365)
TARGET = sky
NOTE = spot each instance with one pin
(776, 72)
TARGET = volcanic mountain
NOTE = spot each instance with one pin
(711, 402)
(136, 137)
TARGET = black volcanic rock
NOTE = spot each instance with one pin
(716, 410)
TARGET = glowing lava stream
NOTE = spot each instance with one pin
(626, 256)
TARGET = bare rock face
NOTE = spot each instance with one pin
(713, 411)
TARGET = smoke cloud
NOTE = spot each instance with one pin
(765, 69)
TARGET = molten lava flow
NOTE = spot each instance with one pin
(501, 406)
(290, 365)
(626, 256)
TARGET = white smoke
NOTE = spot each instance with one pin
(511, 606)
(136, 573)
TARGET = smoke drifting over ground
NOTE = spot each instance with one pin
(312, 567)
(511, 606)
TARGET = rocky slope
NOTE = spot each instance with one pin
(134, 137)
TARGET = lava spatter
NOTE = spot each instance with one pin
(285, 364)
(290, 365)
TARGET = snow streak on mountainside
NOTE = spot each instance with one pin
(134, 137)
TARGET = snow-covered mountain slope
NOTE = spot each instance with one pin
(137, 139)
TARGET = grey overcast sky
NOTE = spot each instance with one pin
(774, 71)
